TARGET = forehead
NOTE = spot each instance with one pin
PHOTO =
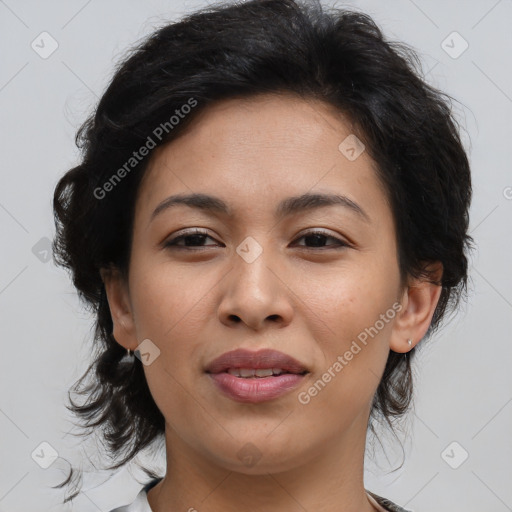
(257, 151)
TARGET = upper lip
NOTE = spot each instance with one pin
(265, 358)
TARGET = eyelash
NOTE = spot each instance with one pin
(171, 244)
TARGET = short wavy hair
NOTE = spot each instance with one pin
(240, 50)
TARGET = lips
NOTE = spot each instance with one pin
(254, 377)
(241, 359)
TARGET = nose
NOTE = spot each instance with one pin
(256, 293)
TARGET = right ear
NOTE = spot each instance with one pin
(119, 303)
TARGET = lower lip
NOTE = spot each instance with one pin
(256, 389)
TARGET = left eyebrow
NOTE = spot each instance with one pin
(287, 207)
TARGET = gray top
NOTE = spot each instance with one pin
(140, 504)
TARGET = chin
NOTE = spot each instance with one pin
(260, 453)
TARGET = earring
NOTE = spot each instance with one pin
(409, 341)
(127, 358)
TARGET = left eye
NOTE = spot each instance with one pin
(195, 239)
(318, 236)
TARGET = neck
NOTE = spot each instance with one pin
(329, 479)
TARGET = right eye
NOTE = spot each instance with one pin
(191, 239)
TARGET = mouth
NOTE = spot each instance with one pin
(250, 373)
(253, 377)
(246, 363)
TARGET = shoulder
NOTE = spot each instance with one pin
(140, 504)
(386, 504)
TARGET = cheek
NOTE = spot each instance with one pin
(351, 315)
(170, 320)
(169, 301)
(342, 302)
(172, 309)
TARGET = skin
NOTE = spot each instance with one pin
(308, 301)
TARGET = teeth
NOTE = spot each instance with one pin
(247, 373)
(263, 372)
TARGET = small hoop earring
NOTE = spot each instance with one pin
(127, 358)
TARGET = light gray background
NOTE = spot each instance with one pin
(464, 391)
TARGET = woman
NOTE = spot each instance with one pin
(271, 212)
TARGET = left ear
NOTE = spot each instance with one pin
(419, 302)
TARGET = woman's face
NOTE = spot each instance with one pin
(260, 280)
